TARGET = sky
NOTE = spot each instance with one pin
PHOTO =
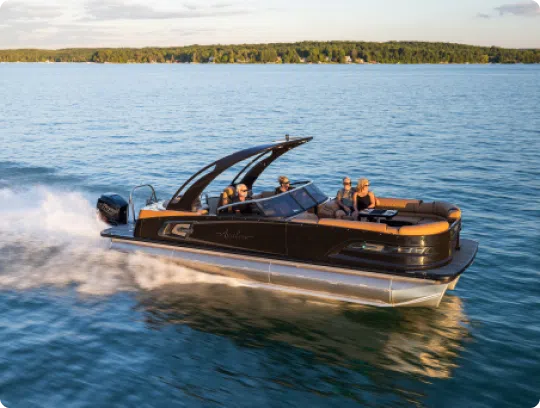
(56, 24)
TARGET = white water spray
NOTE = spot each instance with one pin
(50, 237)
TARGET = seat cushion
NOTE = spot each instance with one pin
(367, 226)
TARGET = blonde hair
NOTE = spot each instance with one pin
(361, 184)
(282, 179)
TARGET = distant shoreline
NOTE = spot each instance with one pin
(267, 63)
(309, 52)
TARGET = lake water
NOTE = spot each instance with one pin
(84, 327)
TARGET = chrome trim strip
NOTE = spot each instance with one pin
(323, 282)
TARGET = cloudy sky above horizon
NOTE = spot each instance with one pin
(137, 23)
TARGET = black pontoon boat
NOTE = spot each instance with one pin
(292, 243)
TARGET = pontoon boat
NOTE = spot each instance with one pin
(292, 243)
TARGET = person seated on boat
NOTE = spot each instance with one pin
(344, 199)
(284, 185)
(226, 197)
(363, 198)
(241, 196)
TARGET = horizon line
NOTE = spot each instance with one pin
(271, 43)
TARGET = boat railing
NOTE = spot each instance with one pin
(455, 230)
(150, 200)
(303, 183)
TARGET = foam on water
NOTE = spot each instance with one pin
(51, 237)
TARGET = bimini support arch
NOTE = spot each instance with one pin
(199, 181)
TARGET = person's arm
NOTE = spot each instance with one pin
(339, 197)
(223, 200)
(372, 200)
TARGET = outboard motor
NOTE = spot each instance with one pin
(113, 209)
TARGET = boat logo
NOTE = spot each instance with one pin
(105, 208)
(233, 235)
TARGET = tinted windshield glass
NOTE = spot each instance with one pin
(280, 206)
(303, 198)
(316, 193)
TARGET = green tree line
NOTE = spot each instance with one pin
(303, 52)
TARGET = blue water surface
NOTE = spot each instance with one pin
(83, 327)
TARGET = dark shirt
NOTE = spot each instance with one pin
(363, 202)
(278, 191)
(242, 208)
(346, 197)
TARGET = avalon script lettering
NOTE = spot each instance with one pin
(233, 235)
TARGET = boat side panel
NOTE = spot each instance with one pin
(368, 249)
(245, 234)
(313, 244)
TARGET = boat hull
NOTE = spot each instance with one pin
(323, 282)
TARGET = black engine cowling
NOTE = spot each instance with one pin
(113, 209)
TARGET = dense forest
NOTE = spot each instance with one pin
(303, 52)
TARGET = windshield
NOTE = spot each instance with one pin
(317, 194)
(303, 198)
(286, 204)
(282, 205)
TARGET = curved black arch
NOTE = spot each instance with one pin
(188, 200)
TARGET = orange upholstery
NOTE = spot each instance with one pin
(417, 208)
(398, 204)
(367, 226)
(454, 215)
(417, 217)
(447, 210)
(424, 229)
(392, 230)
(143, 214)
(304, 220)
(409, 230)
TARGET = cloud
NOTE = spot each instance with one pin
(97, 23)
(47, 35)
(482, 15)
(104, 10)
(527, 9)
(530, 8)
(13, 10)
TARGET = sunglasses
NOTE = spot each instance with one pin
(347, 183)
(243, 191)
(286, 183)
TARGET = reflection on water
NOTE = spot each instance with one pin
(422, 342)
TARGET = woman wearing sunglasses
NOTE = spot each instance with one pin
(284, 185)
(363, 198)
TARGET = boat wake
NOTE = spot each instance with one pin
(51, 237)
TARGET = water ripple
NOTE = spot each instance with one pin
(81, 326)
